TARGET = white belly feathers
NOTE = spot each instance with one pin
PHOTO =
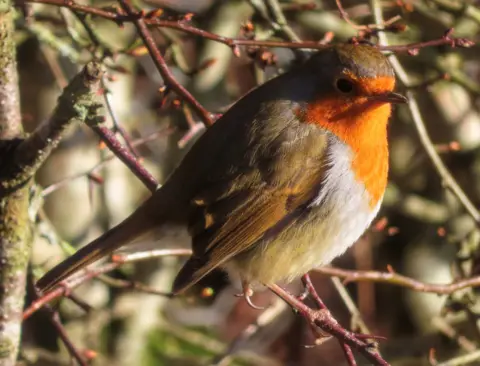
(338, 216)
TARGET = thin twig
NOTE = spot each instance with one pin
(117, 127)
(348, 354)
(87, 173)
(462, 360)
(369, 27)
(162, 67)
(79, 302)
(279, 22)
(447, 178)
(52, 61)
(109, 138)
(273, 312)
(133, 285)
(72, 349)
(307, 282)
(67, 286)
(396, 279)
(139, 256)
(357, 319)
(232, 42)
(444, 327)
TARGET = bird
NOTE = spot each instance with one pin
(283, 182)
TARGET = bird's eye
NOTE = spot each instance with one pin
(344, 86)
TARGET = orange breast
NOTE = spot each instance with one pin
(362, 125)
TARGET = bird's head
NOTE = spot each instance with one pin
(352, 98)
(354, 90)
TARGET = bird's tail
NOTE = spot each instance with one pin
(140, 222)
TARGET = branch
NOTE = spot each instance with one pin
(462, 360)
(162, 67)
(89, 173)
(277, 309)
(326, 322)
(57, 324)
(396, 279)
(118, 259)
(121, 258)
(79, 101)
(73, 106)
(15, 236)
(368, 28)
(357, 321)
(72, 349)
(66, 288)
(391, 278)
(122, 152)
(447, 178)
(233, 43)
(445, 40)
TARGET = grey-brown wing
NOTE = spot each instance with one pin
(280, 172)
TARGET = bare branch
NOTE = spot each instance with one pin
(396, 279)
(447, 178)
(231, 42)
(74, 105)
(67, 286)
(15, 238)
(124, 154)
(325, 321)
(162, 67)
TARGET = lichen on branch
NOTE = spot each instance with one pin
(75, 104)
(15, 235)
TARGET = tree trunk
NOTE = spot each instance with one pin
(15, 237)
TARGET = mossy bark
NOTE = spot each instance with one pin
(15, 237)
(10, 122)
(15, 242)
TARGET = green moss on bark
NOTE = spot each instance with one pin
(15, 231)
(6, 348)
(15, 241)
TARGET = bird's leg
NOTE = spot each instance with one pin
(247, 295)
(303, 295)
(322, 319)
(309, 289)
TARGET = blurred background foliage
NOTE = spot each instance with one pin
(421, 232)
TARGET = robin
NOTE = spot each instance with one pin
(285, 181)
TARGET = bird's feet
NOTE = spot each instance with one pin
(247, 295)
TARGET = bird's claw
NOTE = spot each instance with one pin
(247, 295)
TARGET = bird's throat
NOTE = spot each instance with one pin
(363, 127)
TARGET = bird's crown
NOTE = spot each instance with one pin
(362, 60)
(349, 70)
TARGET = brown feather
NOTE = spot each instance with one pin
(254, 201)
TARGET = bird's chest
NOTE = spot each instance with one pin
(335, 218)
(344, 206)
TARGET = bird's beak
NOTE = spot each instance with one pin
(389, 97)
